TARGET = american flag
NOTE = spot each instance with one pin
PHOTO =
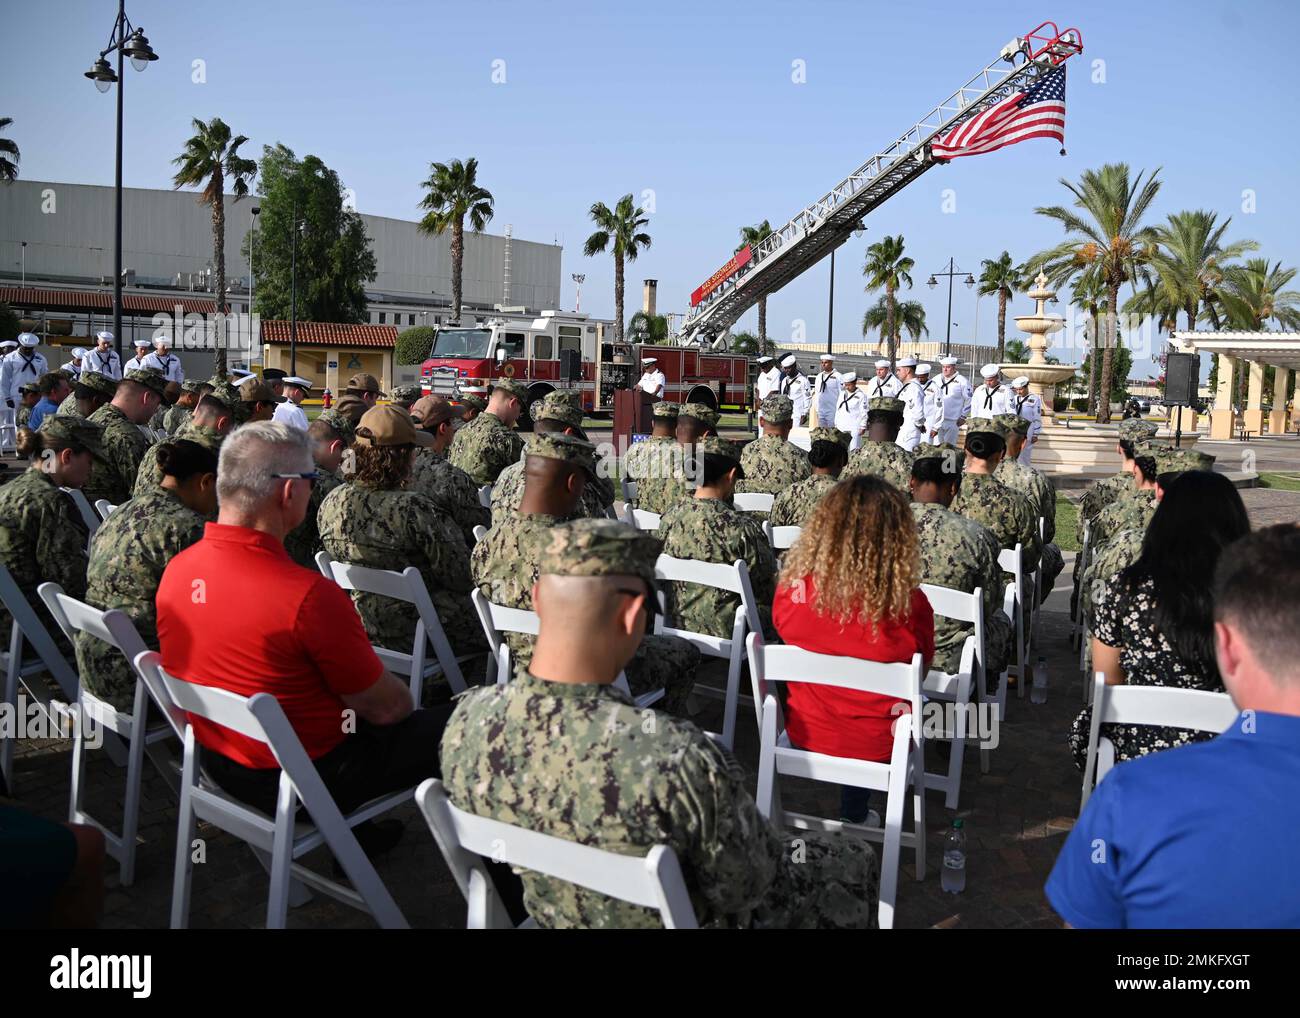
(1037, 112)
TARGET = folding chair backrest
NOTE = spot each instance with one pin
(104, 507)
(781, 538)
(629, 490)
(88, 514)
(148, 666)
(653, 880)
(1009, 560)
(485, 496)
(479, 532)
(34, 631)
(114, 627)
(753, 501)
(642, 519)
(782, 663)
(733, 577)
(953, 604)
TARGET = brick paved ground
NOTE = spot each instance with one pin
(1016, 816)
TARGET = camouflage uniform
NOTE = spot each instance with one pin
(989, 502)
(649, 458)
(175, 417)
(156, 421)
(386, 529)
(881, 459)
(42, 537)
(508, 494)
(664, 484)
(505, 565)
(451, 490)
(1100, 495)
(959, 553)
(772, 464)
(1116, 555)
(22, 415)
(1042, 499)
(1133, 510)
(127, 558)
(149, 477)
(123, 448)
(793, 506)
(484, 447)
(304, 542)
(68, 408)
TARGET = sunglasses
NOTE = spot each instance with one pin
(311, 477)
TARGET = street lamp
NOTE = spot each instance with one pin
(293, 274)
(932, 282)
(127, 41)
(578, 278)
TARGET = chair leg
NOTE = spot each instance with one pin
(78, 777)
(184, 871)
(277, 899)
(918, 811)
(956, 754)
(11, 701)
(131, 804)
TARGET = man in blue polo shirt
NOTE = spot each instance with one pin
(1206, 835)
(54, 389)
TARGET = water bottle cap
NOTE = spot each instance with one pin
(959, 823)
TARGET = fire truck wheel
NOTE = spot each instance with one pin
(535, 395)
(703, 394)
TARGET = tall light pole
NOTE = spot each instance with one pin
(932, 282)
(578, 278)
(252, 259)
(24, 243)
(127, 41)
(830, 307)
(293, 273)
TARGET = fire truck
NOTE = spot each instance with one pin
(570, 350)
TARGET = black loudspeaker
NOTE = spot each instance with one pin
(570, 366)
(1182, 378)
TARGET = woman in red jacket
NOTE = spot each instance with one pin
(850, 586)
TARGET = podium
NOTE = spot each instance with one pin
(632, 415)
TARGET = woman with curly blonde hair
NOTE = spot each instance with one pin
(850, 586)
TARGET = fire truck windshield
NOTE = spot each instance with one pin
(461, 343)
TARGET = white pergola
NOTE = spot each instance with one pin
(1256, 350)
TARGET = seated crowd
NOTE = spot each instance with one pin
(211, 553)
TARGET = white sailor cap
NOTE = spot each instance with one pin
(649, 360)
(949, 361)
(923, 369)
(990, 371)
(849, 376)
(882, 363)
(162, 340)
(103, 337)
(28, 339)
(763, 358)
(8, 344)
(78, 352)
(1020, 381)
(301, 383)
(827, 357)
(789, 360)
(142, 343)
(907, 362)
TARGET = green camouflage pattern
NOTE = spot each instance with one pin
(772, 464)
(393, 529)
(484, 447)
(662, 483)
(593, 548)
(42, 537)
(68, 408)
(303, 542)
(711, 530)
(793, 506)
(1112, 558)
(122, 449)
(129, 552)
(881, 459)
(1133, 510)
(583, 763)
(22, 415)
(989, 502)
(1042, 499)
(175, 417)
(1100, 495)
(651, 457)
(451, 490)
(149, 477)
(508, 494)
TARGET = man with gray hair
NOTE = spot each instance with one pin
(295, 636)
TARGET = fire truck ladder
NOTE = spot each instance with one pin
(828, 222)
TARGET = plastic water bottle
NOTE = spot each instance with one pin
(953, 877)
(1038, 691)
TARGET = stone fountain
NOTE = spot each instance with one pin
(1043, 377)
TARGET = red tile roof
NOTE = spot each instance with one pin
(332, 334)
(83, 301)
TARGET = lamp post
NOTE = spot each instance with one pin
(932, 282)
(830, 306)
(293, 286)
(252, 262)
(127, 41)
(24, 243)
(578, 278)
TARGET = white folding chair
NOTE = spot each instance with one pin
(958, 687)
(1076, 616)
(1167, 706)
(485, 496)
(497, 620)
(642, 519)
(653, 880)
(104, 507)
(629, 490)
(88, 515)
(116, 629)
(735, 579)
(28, 629)
(281, 836)
(781, 538)
(753, 501)
(905, 770)
(1009, 561)
(407, 586)
(479, 531)
(8, 431)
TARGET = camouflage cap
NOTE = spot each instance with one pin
(665, 409)
(558, 406)
(150, 378)
(600, 548)
(513, 386)
(777, 409)
(200, 434)
(29, 388)
(721, 447)
(943, 451)
(828, 435)
(341, 423)
(568, 448)
(194, 385)
(228, 396)
(1148, 449)
(1013, 423)
(699, 411)
(889, 404)
(96, 382)
(407, 393)
(986, 425)
(1177, 461)
(474, 400)
(69, 428)
(1134, 429)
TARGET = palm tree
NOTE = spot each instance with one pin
(907, 314)
(9, 154)
(1004, 279)
(1089, 296)
(620, 229)
(1192, 258)
(888, 268)
(654, 328)
(1252, 295)
(1015, 351)
(752, 236)
(211, 160)
(1107, 232)
(451, 194)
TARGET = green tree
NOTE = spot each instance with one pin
(1014, 352)
(335, 259)
(1106, 231)
(211, 160)
(618, 229)
(1190, 262)
(9, 154)
(413, 345)
(1003, 278)
(1252, 295)
(752, 236)
(644, 328)
(452, 193)
(900, 315)
(750, 345)
(889, 269)
(1089, 296)
(1122, 364)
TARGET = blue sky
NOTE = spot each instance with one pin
(694, 102)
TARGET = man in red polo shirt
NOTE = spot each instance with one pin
(236, 612)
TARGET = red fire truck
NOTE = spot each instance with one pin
(568, 350)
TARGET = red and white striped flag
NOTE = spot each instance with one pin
(1037, 112)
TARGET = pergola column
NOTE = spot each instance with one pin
(1253, 416)
(1278, 419)
(1221, 419)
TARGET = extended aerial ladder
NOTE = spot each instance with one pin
(815, 231)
